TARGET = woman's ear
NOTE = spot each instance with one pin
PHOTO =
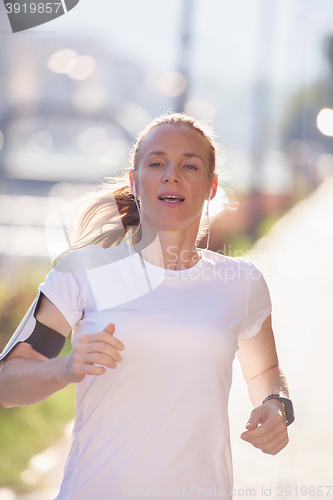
(213, 188)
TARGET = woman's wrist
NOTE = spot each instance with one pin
(60, 371)
(275, 402)
(278, 405)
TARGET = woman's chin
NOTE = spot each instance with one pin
(170, 222)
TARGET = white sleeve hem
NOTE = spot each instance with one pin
(255, 328)
(71, 319)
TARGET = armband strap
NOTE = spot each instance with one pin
(46, 341)
(42, 338)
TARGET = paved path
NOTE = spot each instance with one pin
(297, 260)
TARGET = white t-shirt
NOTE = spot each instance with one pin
(157, 425)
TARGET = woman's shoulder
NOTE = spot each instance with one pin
(89, 257)
(227, 260)
(238, 268)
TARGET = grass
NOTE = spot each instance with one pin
(26, 431)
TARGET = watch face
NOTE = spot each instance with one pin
(289, 409)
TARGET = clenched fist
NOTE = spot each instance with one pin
(93, 353)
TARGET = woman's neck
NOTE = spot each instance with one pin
(172, 250)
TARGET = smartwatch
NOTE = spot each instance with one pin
(288, 406)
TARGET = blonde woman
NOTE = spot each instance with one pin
(156, 325)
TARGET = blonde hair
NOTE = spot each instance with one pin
(111, 213)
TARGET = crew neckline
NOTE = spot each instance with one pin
(170, 272)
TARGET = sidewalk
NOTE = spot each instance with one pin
(296, 258)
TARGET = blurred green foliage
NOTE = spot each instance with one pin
(268, 222)
(26, 431)
(19, 281)
(239, 244)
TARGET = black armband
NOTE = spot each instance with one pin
(42, 338)
(46, 341)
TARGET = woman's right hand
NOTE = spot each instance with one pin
(92, 349)
(93, 354)
(28, 377)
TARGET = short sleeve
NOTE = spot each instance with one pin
(65, 286)
(258, 302)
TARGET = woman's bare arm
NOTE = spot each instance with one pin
(266, 428)
(27, 377)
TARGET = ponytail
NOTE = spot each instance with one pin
(107, 216)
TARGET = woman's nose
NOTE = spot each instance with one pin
(171, 174)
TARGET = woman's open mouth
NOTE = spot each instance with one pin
(169, 199)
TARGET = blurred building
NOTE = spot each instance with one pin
(69, 110)
(68, 114)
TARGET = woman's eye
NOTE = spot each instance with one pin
(156, 164)
(191, 167)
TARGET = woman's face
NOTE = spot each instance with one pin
(172, 177)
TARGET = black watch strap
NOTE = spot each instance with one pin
(288, 406)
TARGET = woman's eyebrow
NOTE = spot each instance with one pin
(195, 155)
(157, 153)
(186, 155)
